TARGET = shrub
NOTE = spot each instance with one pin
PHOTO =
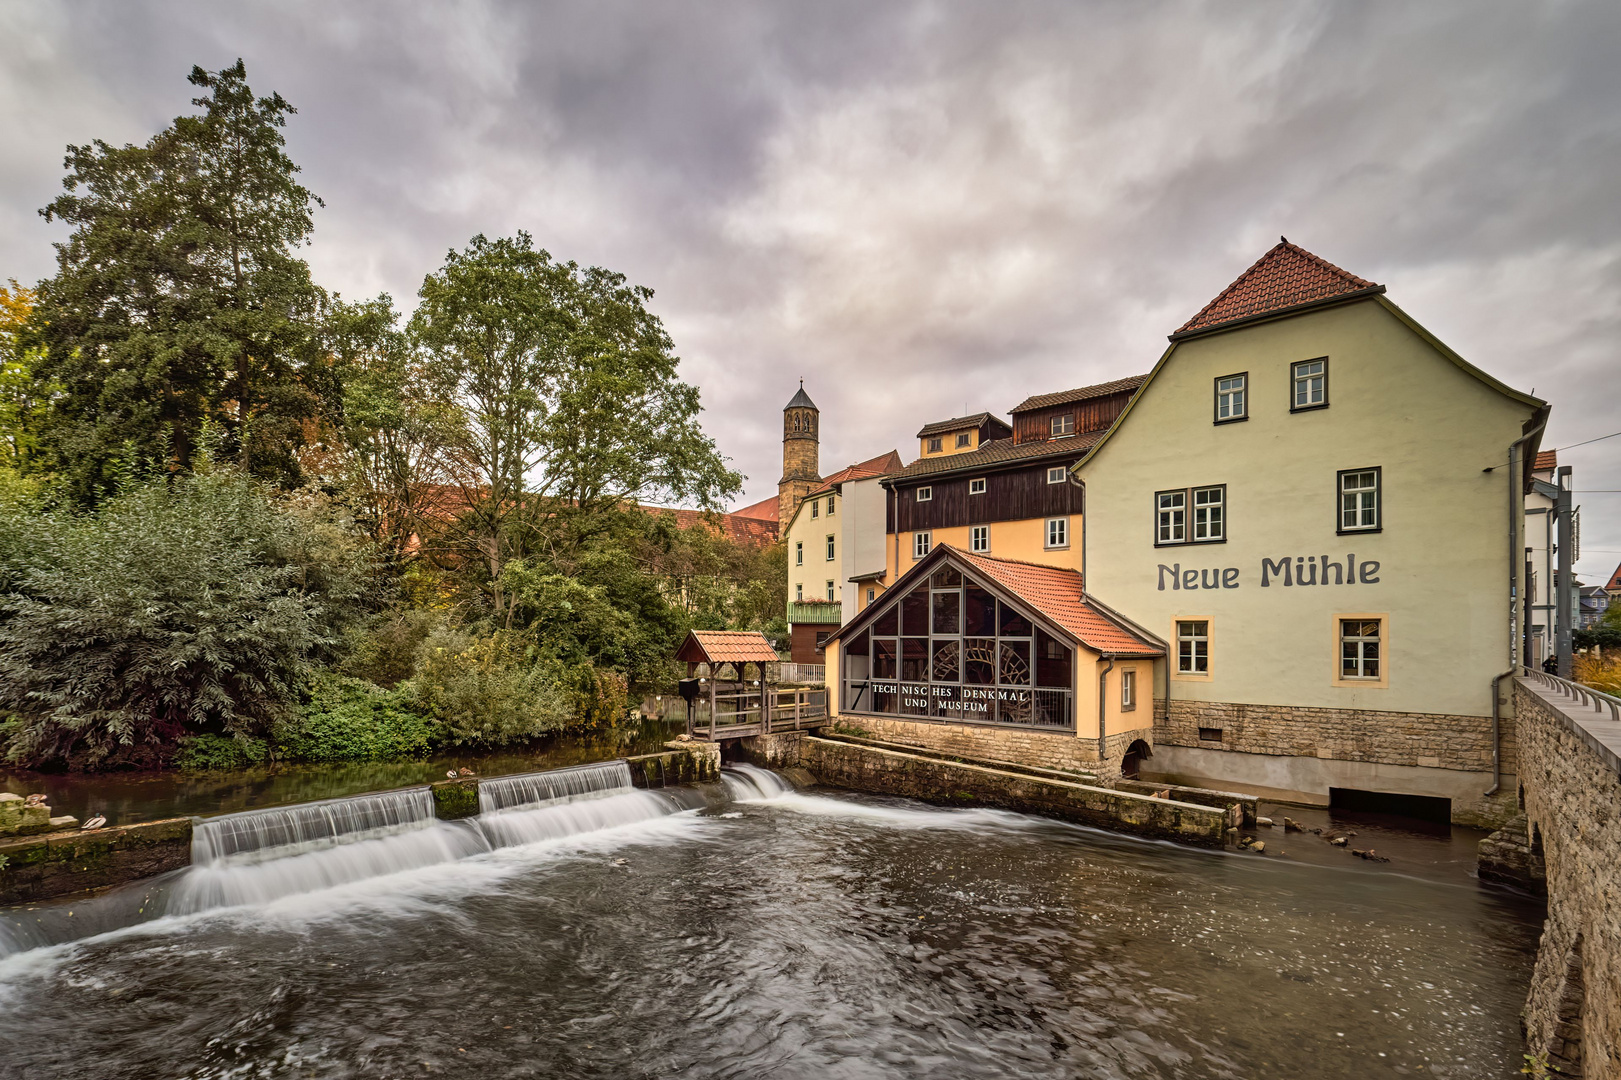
(203, 753)
(486, 692)
(183, 607)
(1602, 673)
(385, 651)
(349, 719)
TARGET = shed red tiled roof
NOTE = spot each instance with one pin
(743, 530)
(1056, 593)
(764, 510)
(1084, 393)
(1285, 277)
(726, 647)
(1546, 459)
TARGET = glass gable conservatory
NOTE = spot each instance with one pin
(949, 649)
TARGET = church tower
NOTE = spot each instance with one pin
(801, 467)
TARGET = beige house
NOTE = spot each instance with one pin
(1318, 506)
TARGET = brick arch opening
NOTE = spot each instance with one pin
(1136, 754)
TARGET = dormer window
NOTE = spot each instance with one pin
(964, 439)
(925, 494)
(936, 445)
(1063, 424)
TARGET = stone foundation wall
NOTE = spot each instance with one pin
(1572, 783)
(60, 864)
(1046, 750)
(1427, 740)
(778, 751)
(887, 772)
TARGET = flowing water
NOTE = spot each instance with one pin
(582, 928)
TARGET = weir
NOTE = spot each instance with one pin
(307, 826)
(539, 788)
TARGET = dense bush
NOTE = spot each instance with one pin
(348, 719)
(181, 607)
(201, 753)
(486, 692)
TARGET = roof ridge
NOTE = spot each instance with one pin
(1253, 277)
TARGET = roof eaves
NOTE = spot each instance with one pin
(1441, 347)
(1277, 313)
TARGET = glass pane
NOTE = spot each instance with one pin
(1014, 707)
(1052, 661)
(857, 646)
(979, 611)
(884, 699)
(947, 577)
(914, 659)
(1013, 668)
(947, 617)
(1013, 623)
(915, 612)
(947, 661)
(883, 658)
(887, 624)
(979, 661)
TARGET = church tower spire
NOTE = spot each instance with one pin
(801, 452)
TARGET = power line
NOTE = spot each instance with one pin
(1556, 449)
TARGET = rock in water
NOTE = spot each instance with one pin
(1259, 847)
(1264, 821)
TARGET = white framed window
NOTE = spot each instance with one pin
(964, 439)
(830, 590)
(1361, 655)
(1309, 384)
(1057, 474)
(829, 547)
(920, 544)
(1128, 690)
(1232, 397)
(925, 494)
(1209, 515)
(799, 591)
(872, 594)
(830, 505)
(1057, 532)
(799, 553)
(816, 508)
(1209, 522)
(979, 538)
(976, 487)
(935, 446)
(1359, 501)
(1193, 646)
(1063, 424)
(1171, 517)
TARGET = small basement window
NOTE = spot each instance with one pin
(1210, 734)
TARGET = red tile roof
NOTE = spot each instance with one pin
(726, 647)
(1546, 459)
(882, 465)
(1056, 594)
(1285, 277)
(1085, 393)
(1615, 581)
(764, 510)
(960, 423)
(743, 530)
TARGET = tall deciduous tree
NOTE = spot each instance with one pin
(569, 403)
(179, 297)
(24, 397)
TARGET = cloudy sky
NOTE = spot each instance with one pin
(918, 207)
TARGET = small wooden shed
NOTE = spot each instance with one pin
(738, 648)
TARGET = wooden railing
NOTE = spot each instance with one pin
(734, 713)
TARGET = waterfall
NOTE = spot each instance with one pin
(308, 826)
(749, 783)
(556, 785)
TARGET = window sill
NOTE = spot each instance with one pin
(1188, 543)
(1360, 532)
(1188, 676)
(1307, 408)
(1060, 547)
(1232, 420)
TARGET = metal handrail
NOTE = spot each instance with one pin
(1585, 694)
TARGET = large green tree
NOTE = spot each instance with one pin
(568, 402)
(179, 297)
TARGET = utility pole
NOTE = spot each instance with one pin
(1566, 590)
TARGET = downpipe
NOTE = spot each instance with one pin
(1103, 704)
(1497, 740)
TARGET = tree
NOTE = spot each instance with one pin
(24, 397)
(179, 299)
(568, 401)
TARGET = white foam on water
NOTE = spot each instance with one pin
(553, 786)
(750, 783)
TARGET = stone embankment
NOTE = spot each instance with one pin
(1570, 777)
(866, 767)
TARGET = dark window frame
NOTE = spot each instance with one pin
(1378, 525)
(1215, 402)
(964, 438)
(1187, 511)
(936, 444)
(1308, 408)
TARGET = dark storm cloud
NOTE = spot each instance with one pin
(919, 207)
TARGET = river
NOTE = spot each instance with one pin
(749, 931)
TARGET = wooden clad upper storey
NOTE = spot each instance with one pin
(1072, 412)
